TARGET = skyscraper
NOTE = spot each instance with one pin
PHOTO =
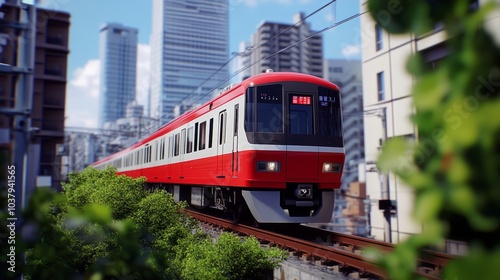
(347, 75)
(118, 55)
(274, 51)
(189, 44)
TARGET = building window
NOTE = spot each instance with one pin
(336, 69)
(380, 86)
(378, 37)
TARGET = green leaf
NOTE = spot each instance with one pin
(427, 205)
(396, 153)
(430, 90)
(96, 213)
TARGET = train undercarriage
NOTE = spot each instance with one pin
(298, 203)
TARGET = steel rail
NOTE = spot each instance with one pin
(326, 253)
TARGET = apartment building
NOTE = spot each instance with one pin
(49, 88)
(387, 107)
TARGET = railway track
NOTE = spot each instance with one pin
(343, 252)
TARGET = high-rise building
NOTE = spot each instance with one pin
(118, 56)
(46, 118)
(189, 52)
(241, 64)
(272, 48)
(349, 216)
(347, 75)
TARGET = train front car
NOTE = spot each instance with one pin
(293, 154)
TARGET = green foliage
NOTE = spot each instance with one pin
(89, 232)
(92, 186)
(454, 168)
(229, 258)
(122, 196)
(158, 211)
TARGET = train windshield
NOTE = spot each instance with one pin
(294, 114)
(270, 109)
(329, 115)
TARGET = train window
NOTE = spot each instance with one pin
(156, 150)
(137, 158)
(195, 136)
(329, 113)
(210, 133)
(189, 143)
(270, 108)
(149, 153)
(249, 110)
(222, 127)
(162, 148)
(236, 112)
(169, 147)
(301, 114)
(182, 144)
(176, 144)
(203, 127)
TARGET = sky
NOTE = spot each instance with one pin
(82, 93)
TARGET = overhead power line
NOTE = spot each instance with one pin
(336, 24)
(247, 52)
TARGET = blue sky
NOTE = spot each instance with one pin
(88, 15)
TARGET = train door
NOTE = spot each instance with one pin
(234, 154)
(221, 140)
(302, 143)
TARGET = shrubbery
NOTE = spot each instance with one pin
(107, 226)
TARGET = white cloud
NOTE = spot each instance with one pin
(143, 73)
(82, 92)
(82, 96)
(87, 77)
(351, 50)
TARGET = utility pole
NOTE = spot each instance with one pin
(24, 100)
(385, 202)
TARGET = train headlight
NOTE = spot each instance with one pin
(268, 166)
(330, 167)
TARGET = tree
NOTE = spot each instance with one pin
(229, 258)
(456, 183)
(106, 226)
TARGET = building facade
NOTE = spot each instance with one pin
(278, 46)
(118, 56)
(86, 146)
(388, 107)
(49, 89)
(189, 53)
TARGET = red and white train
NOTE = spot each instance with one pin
(272, 143)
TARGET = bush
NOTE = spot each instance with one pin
(90, 232)
(229, 258)
(104, 187)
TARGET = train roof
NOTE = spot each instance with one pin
(224, 97)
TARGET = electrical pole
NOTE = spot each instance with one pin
(384, 186)
(23, 102)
